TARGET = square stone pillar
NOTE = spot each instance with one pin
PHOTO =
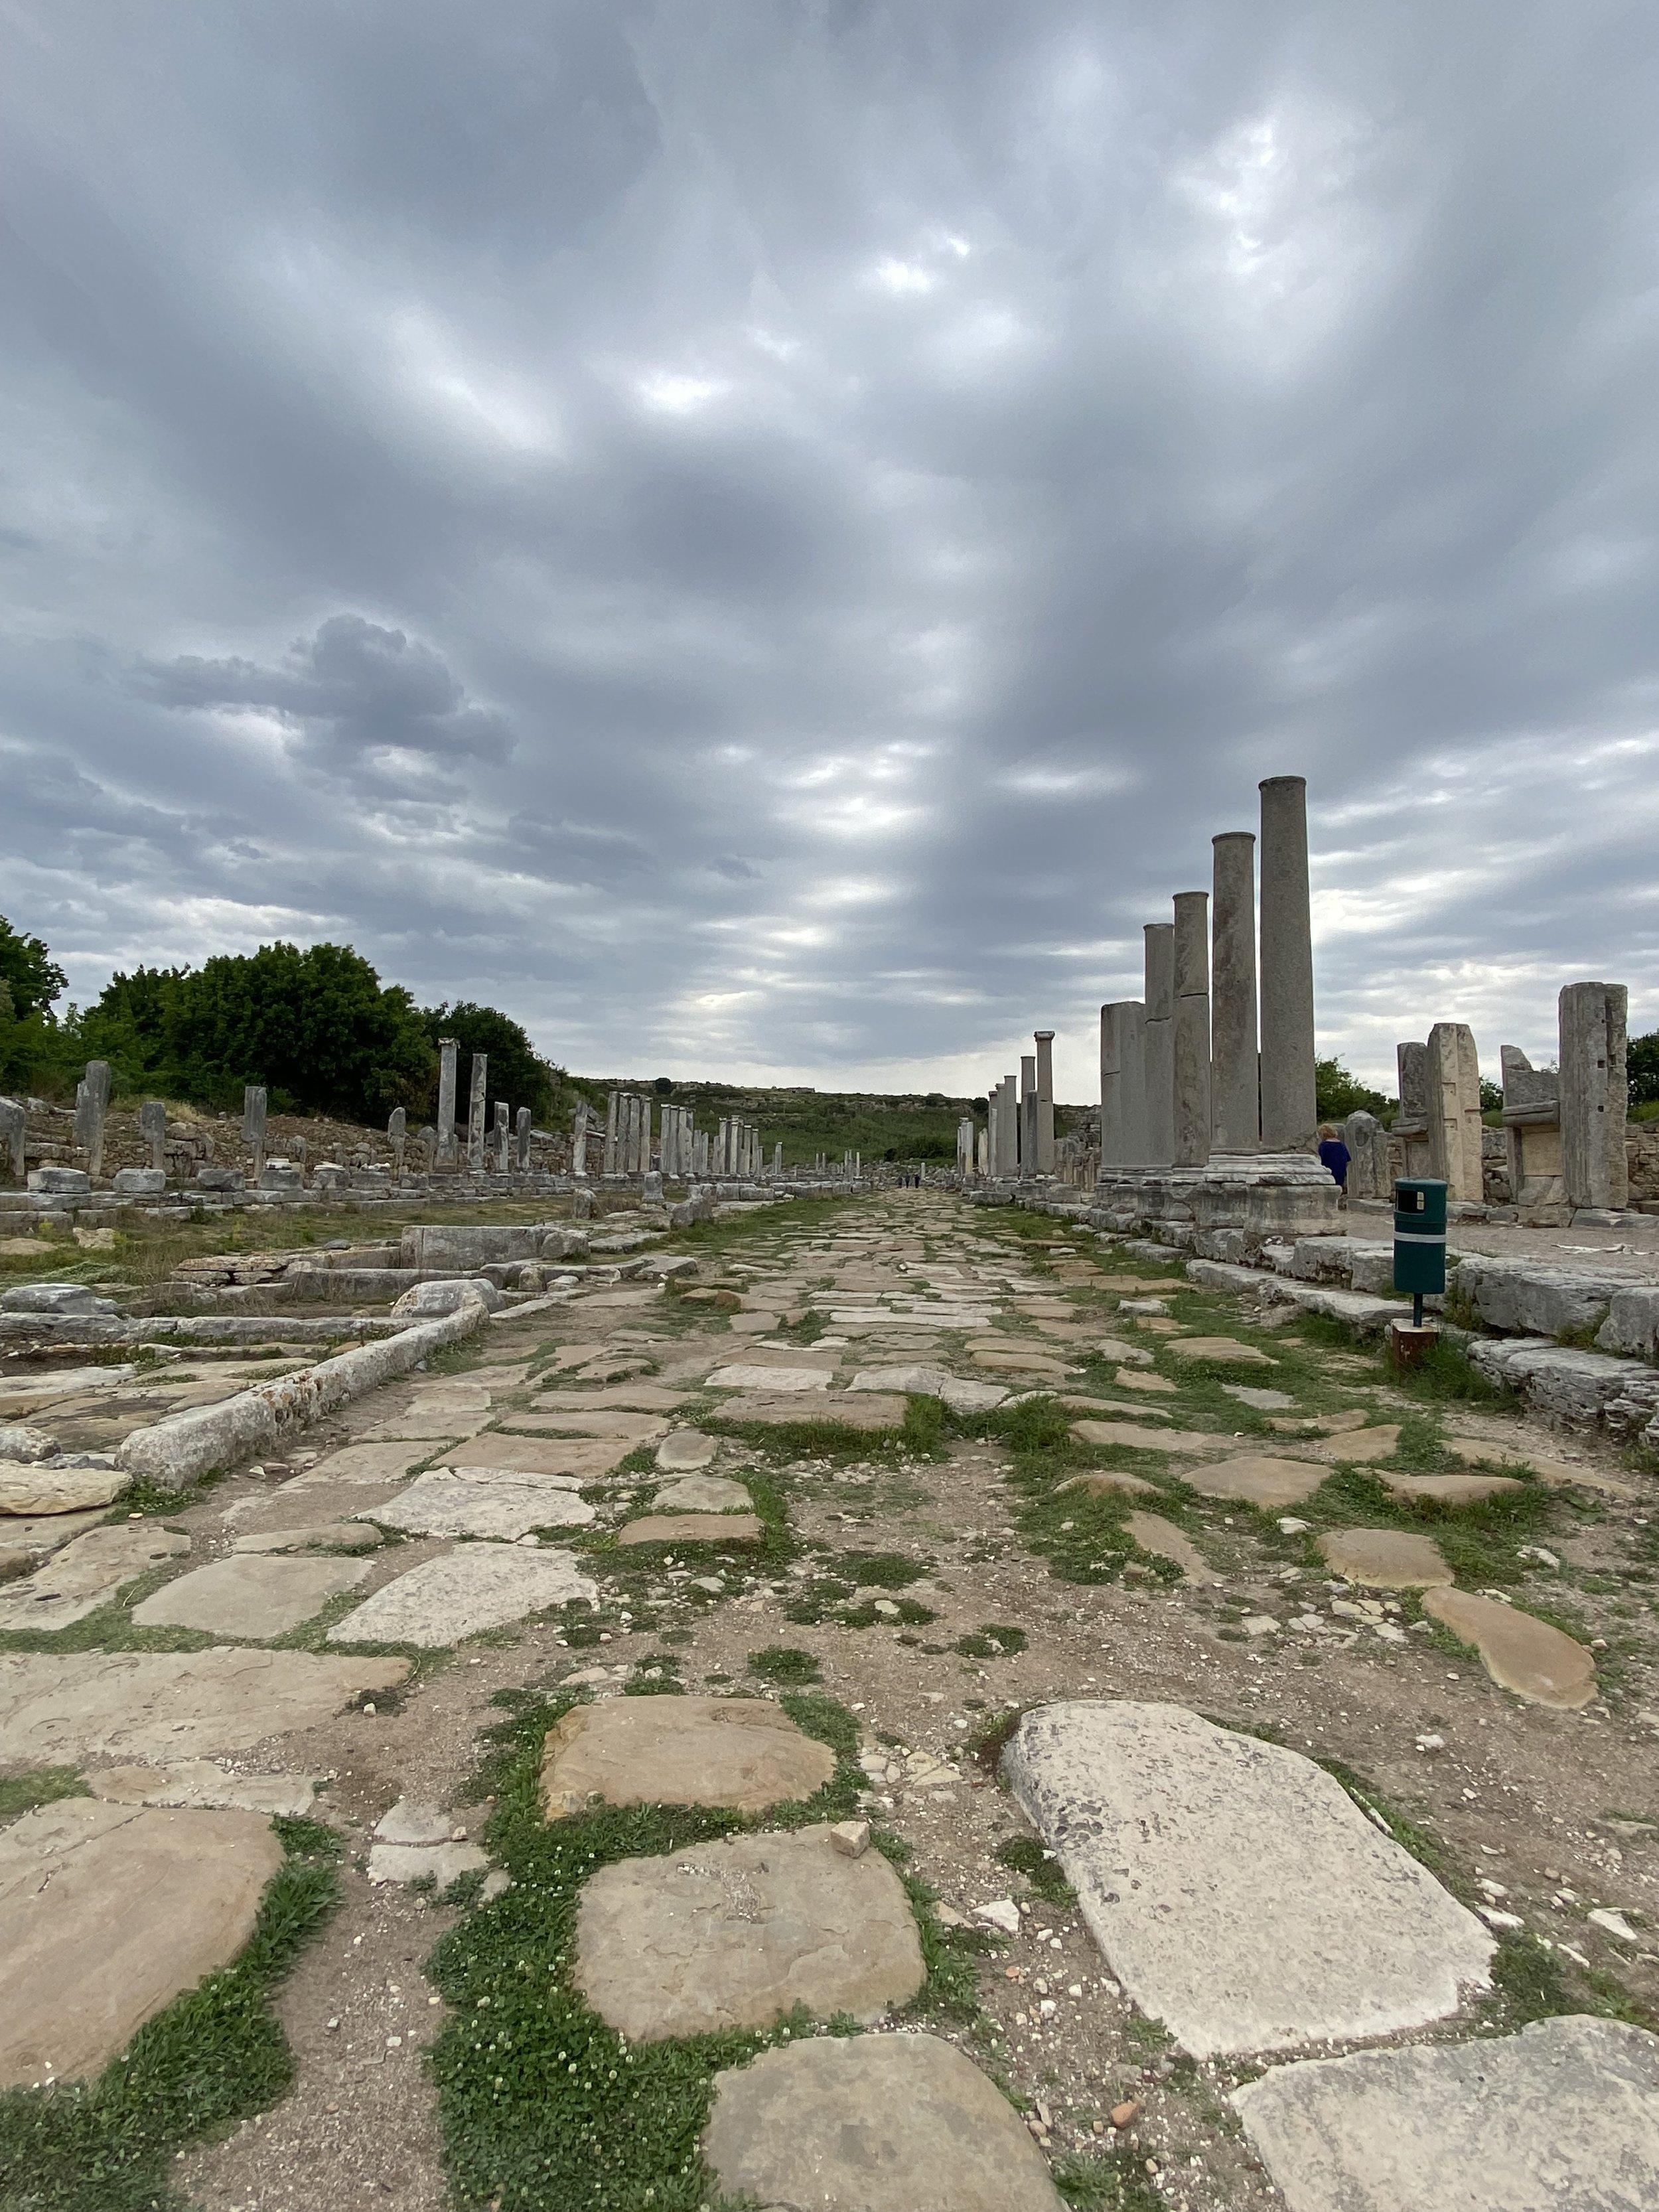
(396, 1136)
(503, 1137)
(613, 1113)
(1411, 1124)
(521, 1139)
(1044, 1155)
(476, 1105)
(448, 1053)
(1453, 1079)
(14, 1131)
(965, 1147)
(1123, 1084)
(1595, 1094)
(1289, 1110)
(1007, 1129)
(1159, 1046)
(1027, 1114)
(1235, 1069)
(1532, 1132)
(253, 1124)
(1367, 1141)
(153, 1128)
(578, 1139)
(1192, 1029)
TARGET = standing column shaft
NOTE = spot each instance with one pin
(503, 1135)
(1043, 1161)
(475, 1117)
(1234, 1075)
(1290, 1112)
(1123, 1084)
(1192, 1029)
(609, 1166)
(1028, 1102)
(448, 1053)
(1010, 1125)
(1159, 1044)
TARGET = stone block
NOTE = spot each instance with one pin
(1632, 1323)
(479, 1502)
(1531, 1297)
(87, 1574)
(251, 1595)
(475, 1586)
(222, 1179)
(71, 1299)
(1519, 1651)
(743, 1754)
(60, 1182)
(430, 1299)
(1595, 1095)
(1453, 1076)
(736, 1934)
(140, 1182)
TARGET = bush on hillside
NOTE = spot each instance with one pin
(517, 1072)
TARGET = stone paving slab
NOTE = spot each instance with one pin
(842, 1408)
(202, 1783)
(873, 2123)
(629, 1397)
(302, 1503)
(1165, 1542)
(1450, 1489)
(958, 1390)
(735, 1934)
(88, 1573)
(382, 1463)
(56, 1709)
(107, 1912)
(478, 1501)
(1110, 1481)
(720, 1527)
(1238, 1893)
(314, 1536)
(252, 1594)
(475, 1587)
(779, 1381)
(702, 1494)
(1139, 1437)
(586, 1457)
(1259, 1479)
(28, 1488)
(683, 1449)
(1220, 1351)
(741, 1753)
(1386, 1558)
(1562, 2118)
(43, 1533)
(1358, 1448)
(1518, 1650)
(630, 1429)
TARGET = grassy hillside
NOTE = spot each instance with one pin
(913, 1126)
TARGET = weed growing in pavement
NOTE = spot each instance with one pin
(38, 1785)
(994, 1639)
(210, 2058)
(1027, 1856)
(785, 1662)
(540, 2102)
(1104, 2185)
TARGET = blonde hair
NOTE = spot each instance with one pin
(1327, 1129)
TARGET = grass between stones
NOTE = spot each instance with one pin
(209, 2059)
(38, 1785)
(540, 2102)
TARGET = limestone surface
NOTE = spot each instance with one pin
(1386, 1558)
(1518, 1650)
(1565, 2113)
(786, 1380)
(718, 1527)
(1220, 1351)
(1107, 1481)
(1142, 1439)
(383, 1462)
(583, 1458)
(606, 1421)
(479, 1502)
(107, 1912)
(965, 1396)
(1359, 1447)
(28, 1487)
(633, 1397)
(250, 1595)
(1450, 1489)
(57, 1709)
(1259, 1479)
(742, 1753)
(203, 1783)
(735, 1934)
(317, 1536)
(702, 1494)
(873, 2123)
(475, 1587)
(1165, 1542)
(840, 1406)
(1239, 1893)
(87, 1574)
(1036, 1362)
(683, 1450)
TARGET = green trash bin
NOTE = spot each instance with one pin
(1419, 1239)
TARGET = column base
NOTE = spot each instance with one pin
(1241, 1198)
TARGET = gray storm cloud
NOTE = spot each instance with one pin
(767, 539)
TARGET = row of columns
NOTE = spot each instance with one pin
(1210, 1060)
(1019, 1136)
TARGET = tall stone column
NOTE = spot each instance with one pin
(1044, 1160)
(612, 1112)
(475, 1113)
(396, 1136)
(503, 1137)
(14, 1135)
(1595, 1094)
(1123, 1084)
(579, 1140)
(153, 1128)
(253, 1124)
(1158, 1049)
(448, 1053)
(1453, 1083)
(1028, 1084)
(1192, 1029)
(1235, 1068)
(1289, 1112)
(91, 1108)
(521, 1140)
(1008, 1128)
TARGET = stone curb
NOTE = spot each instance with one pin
(175, 1451)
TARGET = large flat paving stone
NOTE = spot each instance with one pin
(370, 1463)
(255, 1594)
(873, 2123)
(627, 1429)
(782, 1380)
(1357, 1447)
(585, 1458)
(683, 1450)
(58, 1709)
(703, 1493)
(633, 1397)
(1139, 1437)
(27, 1488)
(840, 1406)
(88, 1573)
(107, 1912)
(1386, 1558)
(1165, 1542)
(741, 1753)
(959, 1391)
(475, 1587)
(721, 1528)
(736, 1934)
(1259, 1479)
(1450, 1489)
(1565, 2114)
(481, 1502)
(1518, 1650)
(1240, 1895)
(197, 1782)
(1220, 1352)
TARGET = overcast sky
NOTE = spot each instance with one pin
(764, 537)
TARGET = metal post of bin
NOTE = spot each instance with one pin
(1419, 1255)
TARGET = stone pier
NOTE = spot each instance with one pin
(1028, 1114)
(1235, 1068)
(449, 1056)
(475, 1114)
(1452, 1084)
(397, 1134)
(1595, 1094)
(1044, 1150)
(1007, 1129)
(578, 1139)
(612, 1111)
(1192, 1029)
(503, 1137)
(91, 1108)
(1158, 1046)
(153, 1128)
(1122, 1083)
(253, 1126)
(1290, 1112)
(13, 1134)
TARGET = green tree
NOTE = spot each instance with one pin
(517, 1072)
(1642, 1068)
(32, 977)
(1338, 1093)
